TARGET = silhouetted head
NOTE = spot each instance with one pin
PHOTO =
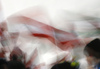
(93, 49)
(3, 64)
(15, 65)
(66, 65)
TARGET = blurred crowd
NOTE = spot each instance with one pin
(91, 51)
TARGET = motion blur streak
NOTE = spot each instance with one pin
(42, 38)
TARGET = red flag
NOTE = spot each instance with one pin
(38, 29)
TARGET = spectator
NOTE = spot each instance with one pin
(92, 52)
(66, 65)
(15, 65)
(3, 64)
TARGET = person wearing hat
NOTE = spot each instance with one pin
(92, 53)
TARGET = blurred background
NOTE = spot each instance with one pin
(54, 29)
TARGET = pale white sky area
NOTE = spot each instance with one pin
(53, 6)
(58, 10)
